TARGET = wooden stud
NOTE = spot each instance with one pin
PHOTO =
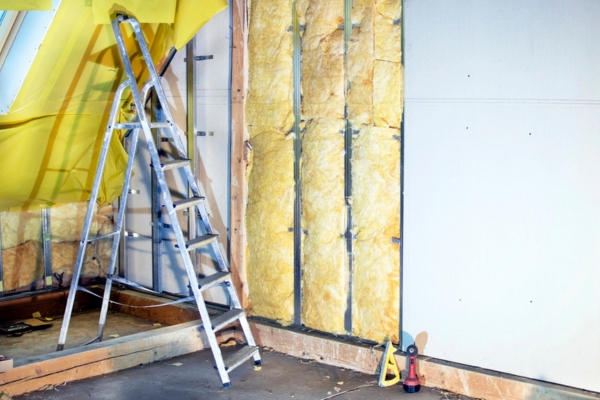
(239, 159)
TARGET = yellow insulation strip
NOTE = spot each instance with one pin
(388, 30)
(325, 267)
(360, 64)
(52, 136)
(269, 116)
(269, 215)
(22, 236)
(270, 87)
(376, 217)
(388, 89)
(323, 61)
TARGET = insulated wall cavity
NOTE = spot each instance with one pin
(23, 251)
(325, 265)
(269, 118)
(375, 112)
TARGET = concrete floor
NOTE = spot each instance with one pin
(192, 376)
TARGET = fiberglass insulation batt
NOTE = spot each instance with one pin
(269, 116)
(325, 266)
(22, 246)
(374, 55)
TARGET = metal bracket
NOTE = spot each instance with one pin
(397, 240)
(397, 137)
(202, 58)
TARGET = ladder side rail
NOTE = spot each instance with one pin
(119, 225)
(116, 239)
(88, 219)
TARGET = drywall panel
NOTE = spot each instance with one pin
(502, 114)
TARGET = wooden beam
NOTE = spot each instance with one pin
(49, 304)
(97, 359)
(469, 381)
(166, 315)
(239, 138)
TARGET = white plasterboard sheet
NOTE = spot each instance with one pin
(502, 205)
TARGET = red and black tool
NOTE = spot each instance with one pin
(412, 384)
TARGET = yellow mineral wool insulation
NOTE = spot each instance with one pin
(95, 263)
(388, 30)
(20, 227)
(66, 221)
(376, 218)
(325, 266)
(66, 224)
(323, 60)
(270, 86)
(269, 215)
(360, 64)
(388, 89)
(22, 265)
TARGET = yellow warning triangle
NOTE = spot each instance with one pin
(388, 367)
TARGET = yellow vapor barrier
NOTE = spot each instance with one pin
(269, 116)
(25, 5)
(51, 139)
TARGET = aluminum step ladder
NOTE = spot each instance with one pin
(195, 205)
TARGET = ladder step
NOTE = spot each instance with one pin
(102, 237)
(199, 242)
(226, 319)
(128, 125)
(213, 280)
(239, 357)
(184, 162)
(187, 203)
(160, 124)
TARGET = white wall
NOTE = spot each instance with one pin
(502, 185)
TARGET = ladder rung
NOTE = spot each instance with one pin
(239, 357)
(128, 125)
(199, 242)
(160, 124)
(187, 203)
(226, 319)
(102, 237)
(174, 164)
(213, 280)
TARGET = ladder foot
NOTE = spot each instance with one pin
(258, 362)
(227, 385)
(60, 347)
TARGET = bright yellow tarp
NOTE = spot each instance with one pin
(51, 139)
(24, 5)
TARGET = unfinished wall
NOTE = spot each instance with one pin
(22, 245)
(375, 111)
(360, 88)
(269, 116)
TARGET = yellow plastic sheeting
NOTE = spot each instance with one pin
(376, 218)
(325, 260)
(270, 87)
(192, 15)
(25, 5)
(51, 139)
(269, 215)
(145, 11)
(323, 60)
